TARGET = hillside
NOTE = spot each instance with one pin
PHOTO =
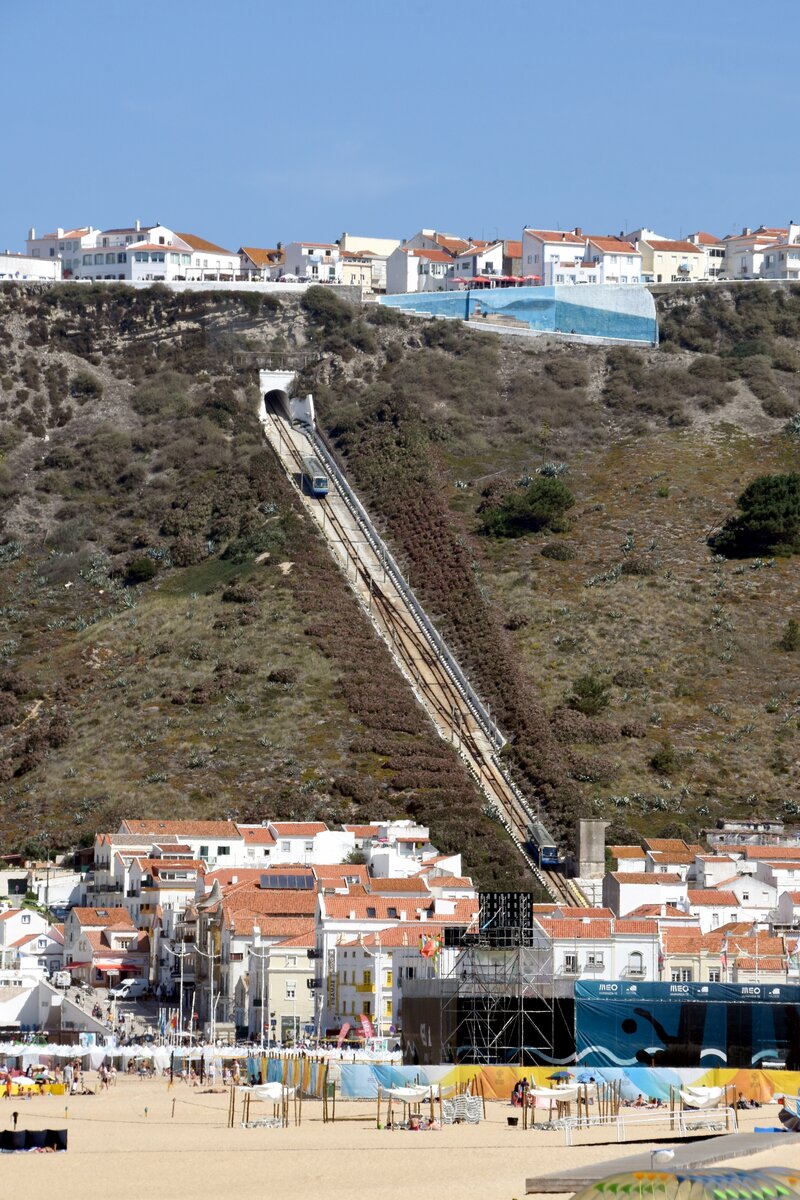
(174, 638)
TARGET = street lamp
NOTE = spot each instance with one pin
(262, 956)
(181, 955)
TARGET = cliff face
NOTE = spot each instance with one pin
(173, 638)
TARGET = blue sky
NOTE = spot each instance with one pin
(258, 120)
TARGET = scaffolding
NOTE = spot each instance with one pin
(498, 1003)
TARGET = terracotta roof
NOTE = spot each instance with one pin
(232, 876)
(626, 851)
(647, 879)
(198, 243)
(431, 255)
(453, 245)
(794, 896)
(556, 235)
(103, 916)
(242, 923)
(678, 941)
(680, 857)
(449, 881)
(257, 835)
(300, 940)
(26, 937)
(397, 887)
(362, 831)
(338, 872)
(263, 257)
(595, 929)
(143, 246)
(762, 963)
(173, 849)
(575, 913)
(298, 828)
(707, 239)
(661, 245)
(612, 245)
(665, 845)
(12, 912)
(340, 907)
(407, 934)
(711, 896)
(477, 251)
(512, 249)
(188, 828)
(271, 900)
(671, 911)
(771, 852)
(68, 233)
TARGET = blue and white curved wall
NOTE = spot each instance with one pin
(610, 311)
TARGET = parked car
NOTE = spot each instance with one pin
(61, 979)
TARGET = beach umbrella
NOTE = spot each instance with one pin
(585, 1077)
(560, 1075)
(24, 1081)
(769, 1184)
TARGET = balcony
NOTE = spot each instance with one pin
(595, 965)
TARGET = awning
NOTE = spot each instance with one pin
(101, 964)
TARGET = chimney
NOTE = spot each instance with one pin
(138, 225)
(578, 231)
(746, 231)
(279, 246)
(31, 234)
(59, 232)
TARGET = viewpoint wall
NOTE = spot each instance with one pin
(613, 312)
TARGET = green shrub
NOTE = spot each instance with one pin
(541, 506)
(139, 570)
(589, 695)
(325, 308)
(769, 520)
(85, 386)
(665, 761)
(790, 640)
(559, 551)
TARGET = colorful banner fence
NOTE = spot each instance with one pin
(360, 1081)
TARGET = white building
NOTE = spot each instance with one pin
(552, 256)
(134, 253)
(417, 270)
(781, 258)
(16, 926)
(744, 252)
(712, 908)
(714, 250)
(481, 262)
(375, 250)
(63, 245)
(314, 262)
(625, 891)
(23, 267)
(613, 259)
(603, 948)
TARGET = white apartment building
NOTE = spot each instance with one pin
(603, 948)
(744, 252)
(781, 258)
(16, 926)
(714, 250)
(417, 270)
(313, 262)
(478, 261)
(613, 259)
(551, 256)
(625, 891)
(139, 252)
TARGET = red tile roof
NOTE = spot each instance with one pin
(595, 929)
(187, 828)
(626, 852)
(431, 255)
(263, 257)
(453, 245)
(407, 934)
(102, 916)
(297, 903)
(298, 828)
(338, 872)
(398, 887)
(198, 243)
(242, 924)
(646, 878)
(512, 249)
(712, 897)
(707, 239)
(612, 245)
(556, 235)
(449, 881)
(771, 852)
(661, 245)
(362, 831)
(257, 835)
(300, 940)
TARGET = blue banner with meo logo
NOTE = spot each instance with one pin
(622, 1024)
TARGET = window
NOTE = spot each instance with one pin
(371, 912)
(203, 849)
(367, 1008)
(285, 847)
(87, 259)
(392, 912)
(308, 846)
(636, 963)
(220, 849)
(291, 989)
(98, 258)
(571, 964)
(388, 1008)
(110, 258)
(121, 258)
(389, 978)
(681, 975)
(714, 975)
(745, 895)
(594, 960)
(26, 918)
(367, 979)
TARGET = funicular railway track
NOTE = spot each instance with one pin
(416, 654)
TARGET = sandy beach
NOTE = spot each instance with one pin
(132, 1139)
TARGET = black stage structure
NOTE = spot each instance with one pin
(497, 1000)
